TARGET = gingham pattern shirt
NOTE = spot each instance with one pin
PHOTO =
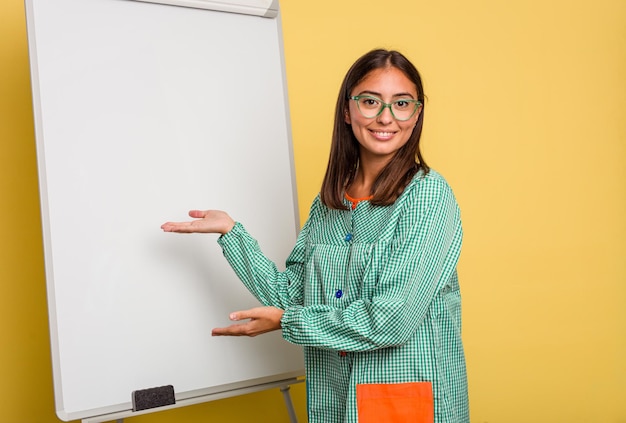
(372, 294)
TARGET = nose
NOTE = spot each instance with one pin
(385, 116)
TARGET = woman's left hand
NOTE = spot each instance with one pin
(261, 320)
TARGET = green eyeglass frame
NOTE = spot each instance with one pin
(383, 105)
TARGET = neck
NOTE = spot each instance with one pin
(366, 174)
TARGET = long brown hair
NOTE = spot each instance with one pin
(344, 150)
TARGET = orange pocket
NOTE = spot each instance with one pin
(395, 402)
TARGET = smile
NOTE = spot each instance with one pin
(382, 134)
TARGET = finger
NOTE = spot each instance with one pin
(252, 313)
(198, 214)
(170, 226)
(177, 227)
(232, 330)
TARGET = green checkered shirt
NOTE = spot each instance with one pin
(372, 294)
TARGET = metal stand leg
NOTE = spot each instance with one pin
(289, 404)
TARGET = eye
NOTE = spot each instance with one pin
(370, 102)
(402, 104)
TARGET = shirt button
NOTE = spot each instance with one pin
(339, 293)
(348, 237)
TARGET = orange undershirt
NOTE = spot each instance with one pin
(356, 201)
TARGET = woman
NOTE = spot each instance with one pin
(370, 289)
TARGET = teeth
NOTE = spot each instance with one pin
(383, 134)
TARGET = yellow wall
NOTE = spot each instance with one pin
(526, 119)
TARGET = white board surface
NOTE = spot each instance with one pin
(142, 112)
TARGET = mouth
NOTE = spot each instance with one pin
(382, 135)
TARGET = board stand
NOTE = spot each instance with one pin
(284, 385)
(287, 397)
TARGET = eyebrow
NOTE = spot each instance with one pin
(373, 93)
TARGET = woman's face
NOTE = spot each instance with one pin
(382, 136)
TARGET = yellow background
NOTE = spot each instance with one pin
(526, 117)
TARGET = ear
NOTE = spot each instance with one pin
(417, 115)
(346, 117)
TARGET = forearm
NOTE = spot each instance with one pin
(259, 274)
(324, 327)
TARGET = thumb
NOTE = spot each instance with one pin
(199, 214)
(238, 315)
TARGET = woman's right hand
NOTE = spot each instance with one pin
(207, 221)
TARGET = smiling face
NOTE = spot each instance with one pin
(382, 136)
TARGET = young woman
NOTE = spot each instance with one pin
(370, 289)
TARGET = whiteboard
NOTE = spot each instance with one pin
(142, 112)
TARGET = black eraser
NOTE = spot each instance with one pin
(153, 397)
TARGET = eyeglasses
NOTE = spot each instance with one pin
(371, 107)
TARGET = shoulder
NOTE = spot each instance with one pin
(429, 185)
(316, 205)
(432, 179)
(426, 191)
(317, 210)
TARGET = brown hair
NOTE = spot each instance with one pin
(344, 150)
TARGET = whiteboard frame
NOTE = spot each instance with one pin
(264, 8)
(282, 384)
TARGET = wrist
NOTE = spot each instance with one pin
(228, 226)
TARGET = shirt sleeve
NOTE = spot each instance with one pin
(421, 264)
(259, 274)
